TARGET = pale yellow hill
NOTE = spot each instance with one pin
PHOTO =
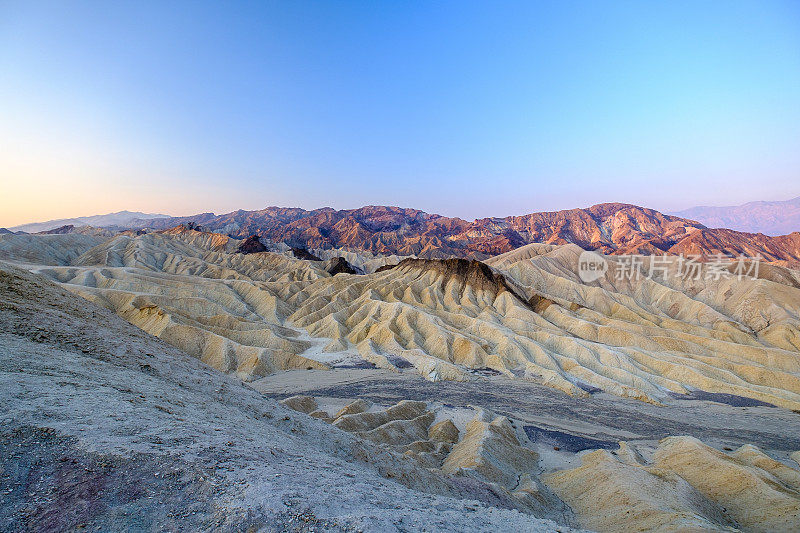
(487, 450)
(46, 249)
(688, 486)
(528, 317)
(189, 289)
(567, 335)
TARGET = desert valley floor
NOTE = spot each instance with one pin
(184, 379)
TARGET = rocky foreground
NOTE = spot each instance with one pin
(105, 427)
(685, 485)
(140, 374)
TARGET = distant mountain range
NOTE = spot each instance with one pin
(120, 218)
(612, 228)
(770, 218)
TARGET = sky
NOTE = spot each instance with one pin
(468, 109)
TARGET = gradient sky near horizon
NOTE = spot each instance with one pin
(467, 109)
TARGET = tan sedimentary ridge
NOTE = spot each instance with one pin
(634, 341)
(46, 249)
(688, 486)
(526, 315)
(108, 428)
(488, 450)
(191, 289)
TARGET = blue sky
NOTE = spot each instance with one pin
(466, 109)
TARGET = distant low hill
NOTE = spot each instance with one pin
(770, 218)
(120, 218)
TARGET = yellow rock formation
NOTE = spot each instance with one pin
(689, 486)
(527, 315)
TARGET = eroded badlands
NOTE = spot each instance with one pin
(695, 364)
(524, 314)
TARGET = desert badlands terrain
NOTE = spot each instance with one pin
(182, 378)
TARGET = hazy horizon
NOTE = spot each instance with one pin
(462, 110)
(357, 207)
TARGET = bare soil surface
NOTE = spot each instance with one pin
(603, 417)
(105, 427)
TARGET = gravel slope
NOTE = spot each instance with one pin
(106, 427)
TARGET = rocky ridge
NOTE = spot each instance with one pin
(612, 228)
(525, 315)
(106, 427)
